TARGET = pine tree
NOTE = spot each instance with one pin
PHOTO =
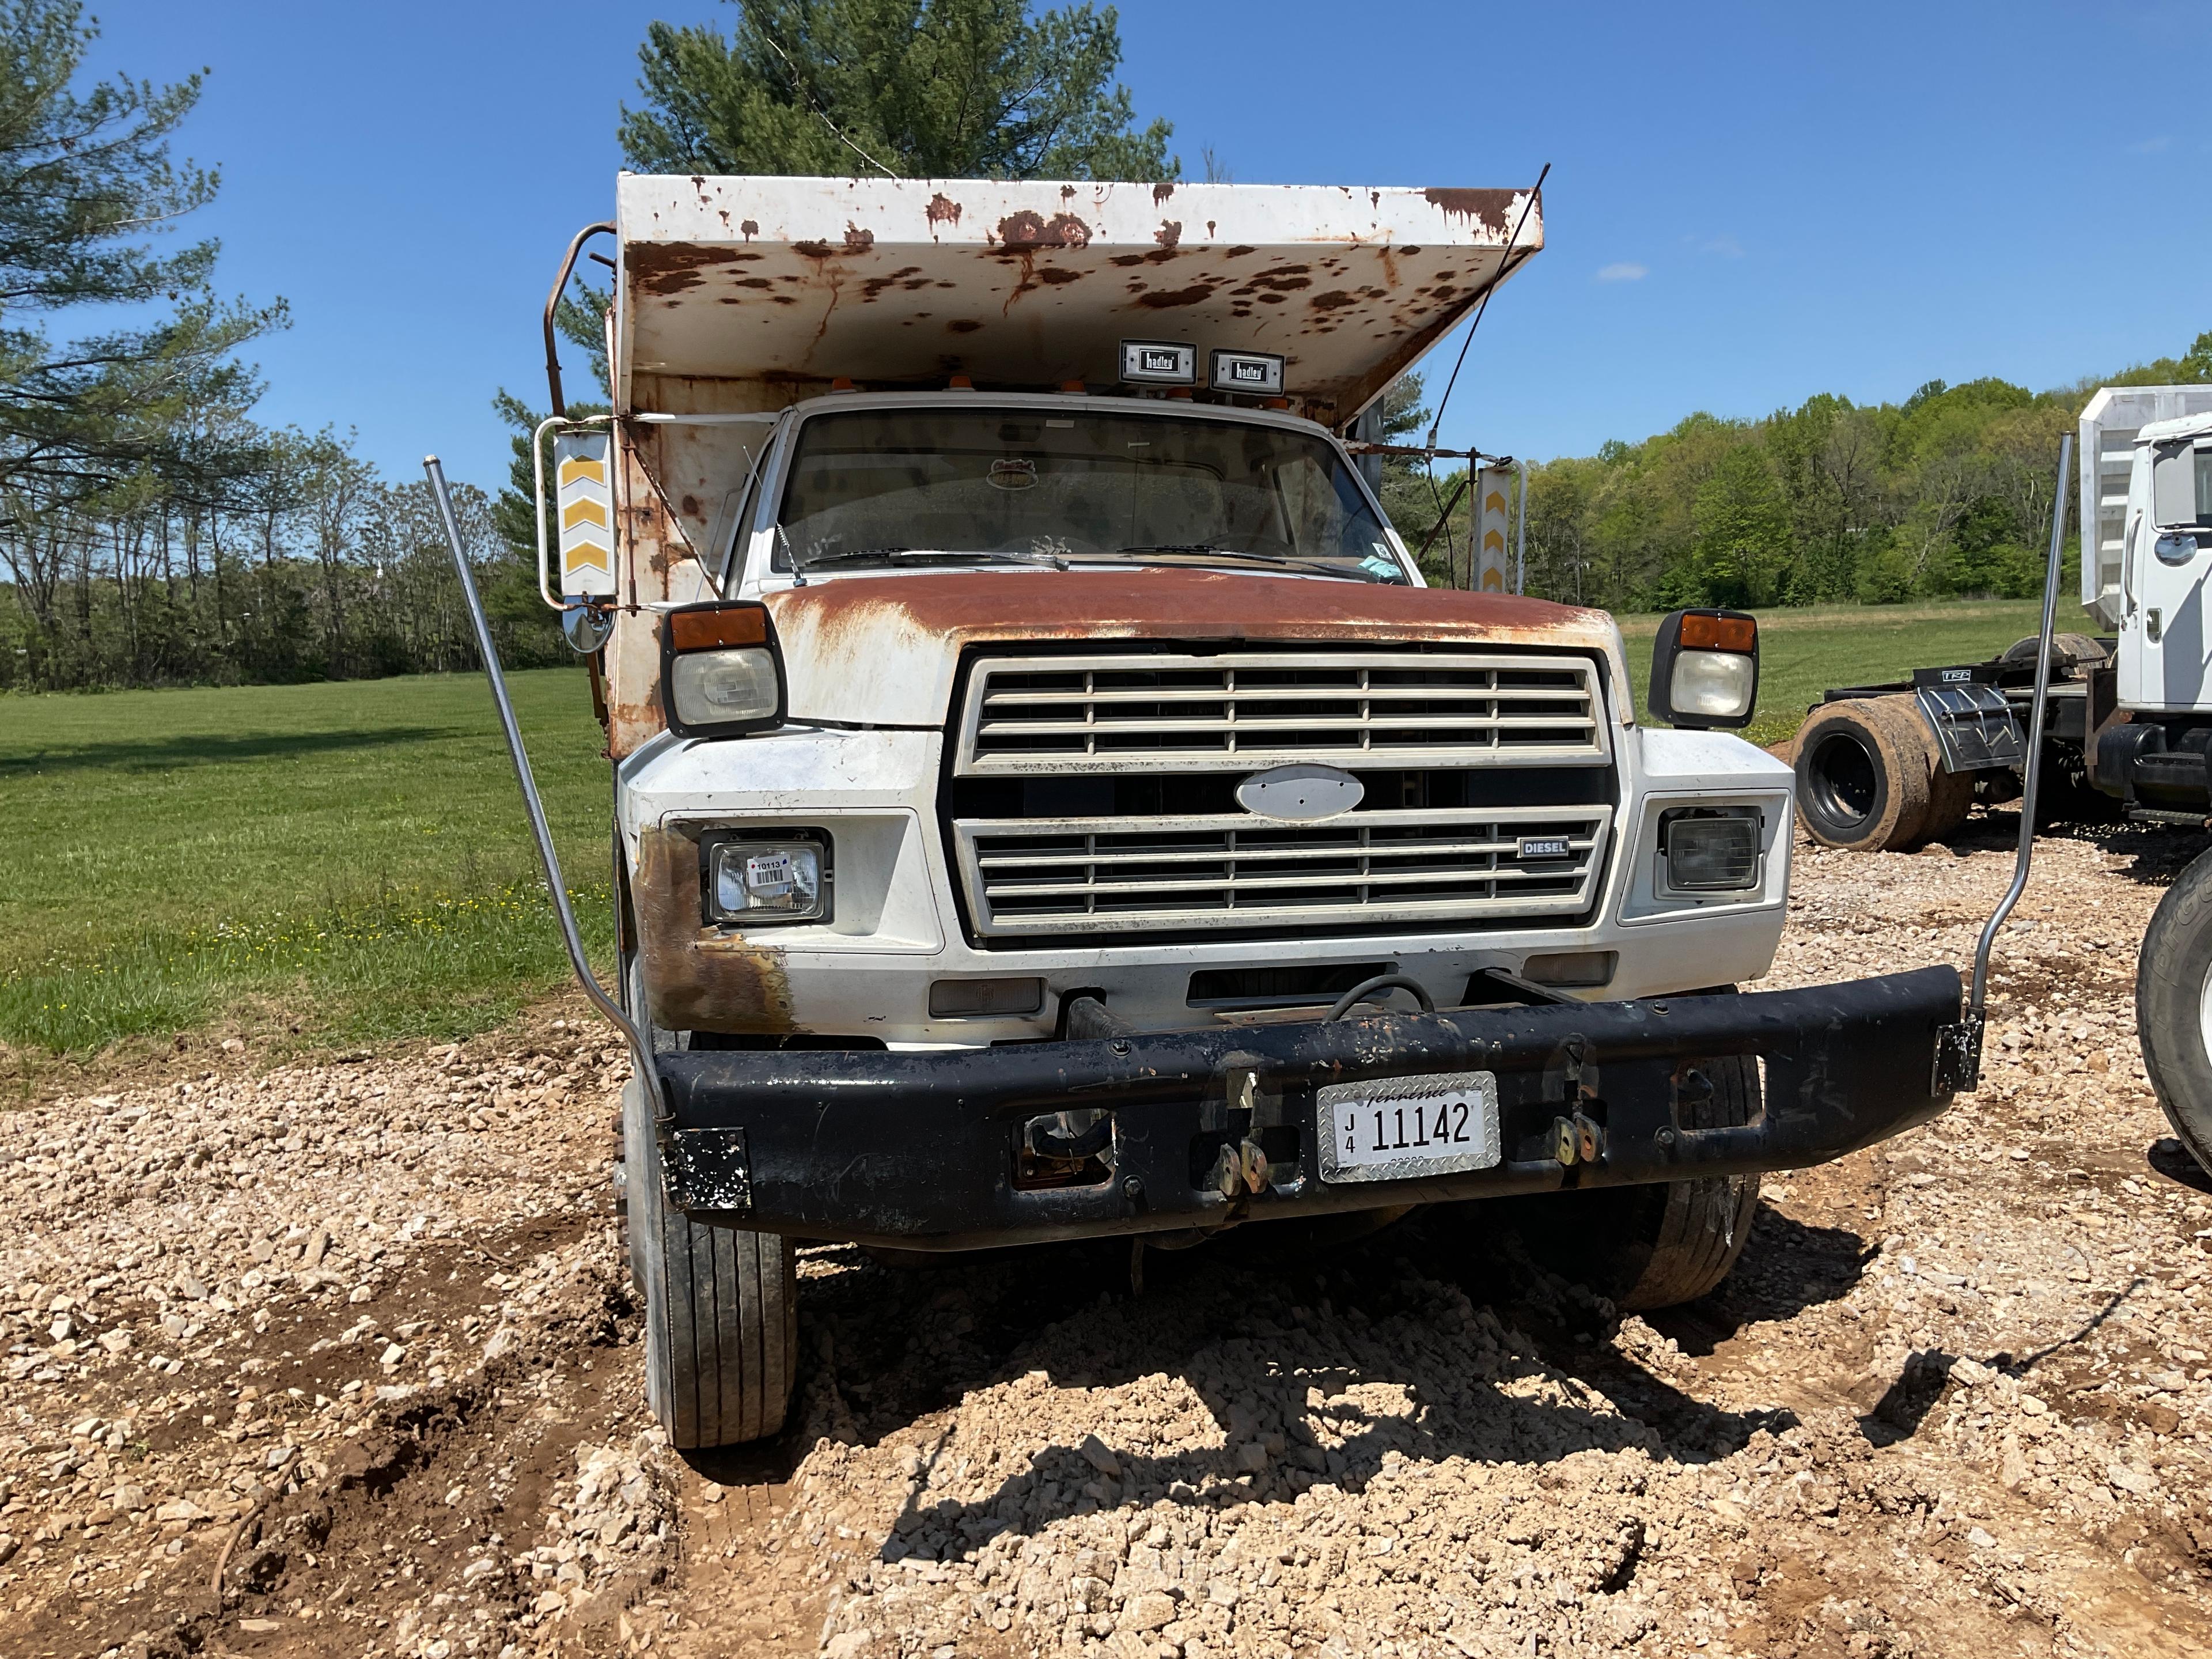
(86, 184)
(917, 89)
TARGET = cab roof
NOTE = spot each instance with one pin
(750, 293)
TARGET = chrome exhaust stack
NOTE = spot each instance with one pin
(1959, 1048)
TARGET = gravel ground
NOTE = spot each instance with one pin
(342, 1359)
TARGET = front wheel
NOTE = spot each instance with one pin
(721, 1303)
(2173, 1006)
(1659, 1245)
(722, 1310)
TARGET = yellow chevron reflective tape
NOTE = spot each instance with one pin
(584, 510)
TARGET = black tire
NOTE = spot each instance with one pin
(2171, 979)
(1865, 768)
(1660, 1245)
(722, 1304)
(2067, 651)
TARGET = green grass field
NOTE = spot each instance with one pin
(331, 864)
(341, 863)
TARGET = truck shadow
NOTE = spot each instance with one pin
(166, 753)
(2154, 853)
(1294, 1367)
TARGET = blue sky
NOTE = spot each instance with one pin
(1747, 204)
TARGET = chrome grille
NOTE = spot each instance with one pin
(1182, 712)
(1235, 870)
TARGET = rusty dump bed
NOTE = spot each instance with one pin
(749, 294)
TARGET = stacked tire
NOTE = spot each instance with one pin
(1870, 778)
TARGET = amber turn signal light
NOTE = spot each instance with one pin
(1708, 630)
(708, 626)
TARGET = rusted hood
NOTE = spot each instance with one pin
(883, 650)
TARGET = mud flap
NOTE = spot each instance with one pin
(1974, 726)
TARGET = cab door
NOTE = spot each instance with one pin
(2166, 637)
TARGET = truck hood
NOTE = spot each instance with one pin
(873, 650)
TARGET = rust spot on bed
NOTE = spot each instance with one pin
(1167, 299)
(699, 978)
(963, 325)
(1491, 209)
(943, 210)
(857, 240)
(1168, 233)
(1161, 192)
(1026, 230)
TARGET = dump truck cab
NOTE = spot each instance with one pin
(1050, 802)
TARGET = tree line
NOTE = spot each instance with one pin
(1947, 494)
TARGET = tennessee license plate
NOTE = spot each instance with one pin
(1395, 1129)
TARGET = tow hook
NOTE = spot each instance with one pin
(1577, 1137)
(1577, 1140)
(1241, 1166)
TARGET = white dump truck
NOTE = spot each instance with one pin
(1049, 804)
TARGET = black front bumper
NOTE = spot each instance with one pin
(921, 1149)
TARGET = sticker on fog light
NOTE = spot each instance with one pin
(769, 874)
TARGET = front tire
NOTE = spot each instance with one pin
(721, 1303)
(2173, 1006)
(1665, 1244)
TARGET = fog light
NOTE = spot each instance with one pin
(1709, 849)
(750, 881)
(962, 999)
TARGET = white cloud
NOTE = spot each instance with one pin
(1623, 272)
(1727, 246)
(2150, 146)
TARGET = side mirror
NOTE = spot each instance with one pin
(1705, 668)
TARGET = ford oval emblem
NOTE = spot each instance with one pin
(1299, 794)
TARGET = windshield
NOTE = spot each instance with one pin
(1039, 485)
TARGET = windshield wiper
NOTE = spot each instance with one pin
(904, 555)
(1207, 550)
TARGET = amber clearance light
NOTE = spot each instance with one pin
(1718, 630)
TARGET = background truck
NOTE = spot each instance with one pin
(2127, 718)
(1047, 803)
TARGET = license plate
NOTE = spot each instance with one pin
(1392, 1129)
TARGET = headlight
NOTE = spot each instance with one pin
(1705, 668)
(1710, 849)
(715, 688)
(756, 880)
(721, 674)
(1714, 685)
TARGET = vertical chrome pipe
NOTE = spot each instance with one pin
(641, 1049)
(1979, 998)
